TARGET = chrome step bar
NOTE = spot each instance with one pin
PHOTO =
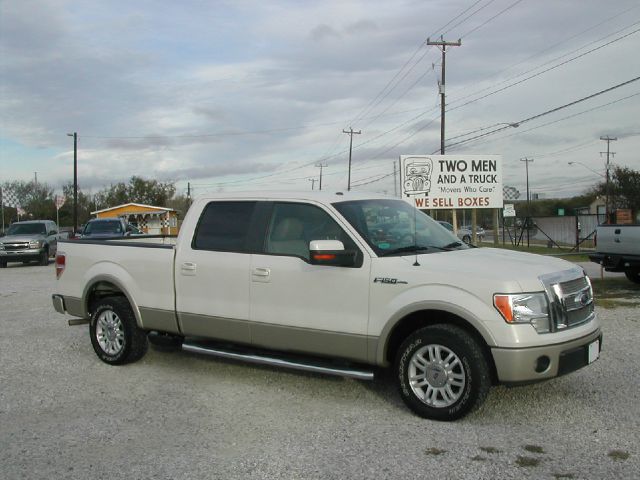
(279, 362)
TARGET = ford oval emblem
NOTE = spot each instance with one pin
(584, 299)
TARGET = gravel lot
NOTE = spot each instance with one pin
(65, 414)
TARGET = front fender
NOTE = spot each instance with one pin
(444, 298)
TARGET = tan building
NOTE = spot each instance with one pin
(149, 219)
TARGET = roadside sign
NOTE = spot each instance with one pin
(452, 181)
(60, 199)
(509, 210)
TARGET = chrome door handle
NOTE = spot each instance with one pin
(188, 268)
(261, 272)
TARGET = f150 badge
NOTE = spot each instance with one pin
(388, 281)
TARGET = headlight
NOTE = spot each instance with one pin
(1, 246)
(530, 308)
(35, 243)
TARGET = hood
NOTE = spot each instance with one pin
(21, 238)
(499, 269)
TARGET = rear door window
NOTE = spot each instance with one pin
(225, 227)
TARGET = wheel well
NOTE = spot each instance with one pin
(424, 318)
(102, 290)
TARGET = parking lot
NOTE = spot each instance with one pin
(65, 414)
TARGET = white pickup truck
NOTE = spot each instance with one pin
(340, 284)
(618, 249)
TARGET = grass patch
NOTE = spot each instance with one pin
(490, 449)
(478, 458)
(615, 292)
(434, 451)
(533, 448)
(565, 254)
(527, 462)
(563, 475)
(619, 454)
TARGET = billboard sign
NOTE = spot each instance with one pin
(452, 181)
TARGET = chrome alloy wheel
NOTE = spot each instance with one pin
(436, 376)
(110, 332)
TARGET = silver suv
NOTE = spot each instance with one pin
(33, 240)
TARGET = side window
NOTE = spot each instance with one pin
(294, 225)
(224, 226)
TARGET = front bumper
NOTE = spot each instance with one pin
(523, 365)
(20, 255)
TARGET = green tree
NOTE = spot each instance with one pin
(138, 190)
(36, 199)
(85, 205)
(623, 189)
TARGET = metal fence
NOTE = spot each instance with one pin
(568, 232)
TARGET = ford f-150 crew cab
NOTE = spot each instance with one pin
(618, 249)
(338, 284)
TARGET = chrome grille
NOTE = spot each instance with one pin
(16, 246)
(571, 299)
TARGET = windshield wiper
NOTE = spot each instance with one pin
(407, 249)
(452, 245)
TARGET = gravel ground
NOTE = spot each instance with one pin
(65, 414)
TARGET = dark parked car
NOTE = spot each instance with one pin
(106, 228)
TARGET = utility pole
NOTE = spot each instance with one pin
(442, 45)
(607, 139)
(313, 182)
(528, 219)
(75, 180)
(443, 48)
(395, 185)
(320, 166)
(188, 194)
(36, 178)
(351, 133)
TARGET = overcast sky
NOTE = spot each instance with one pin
(231, 95)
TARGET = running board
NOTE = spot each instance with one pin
(279, 362)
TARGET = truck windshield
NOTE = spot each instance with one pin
(103, 227)
(27, 229)
(393, 227)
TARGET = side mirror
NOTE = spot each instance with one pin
(331, 253)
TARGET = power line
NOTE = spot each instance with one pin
(491, 19)
(542, 72)
(548, 112)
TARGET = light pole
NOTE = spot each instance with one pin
(588, 168)
(526, 222)
(75, 180)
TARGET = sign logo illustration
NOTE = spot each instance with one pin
(417, 178)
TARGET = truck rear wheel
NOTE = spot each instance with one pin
(115, 335)
(442, 373)
(633, 275)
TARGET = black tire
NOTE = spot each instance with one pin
(3, 264)
(452, 388)
(44, 258)
(633, 275)
(115, 335)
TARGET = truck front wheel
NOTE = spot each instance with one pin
(44, 257)
(633, 275)
(442, 372)
(115, 335)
